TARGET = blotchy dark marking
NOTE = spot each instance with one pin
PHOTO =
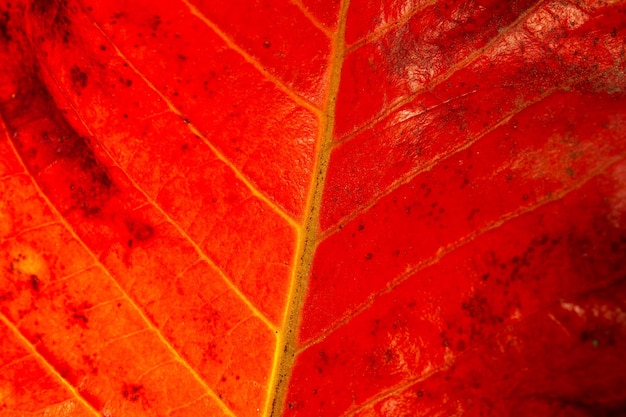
(85, 183)
(7, 296)
(4, 22)
(43, 6)
(79, 78)
(80, 317)
(140, 230)
(90, 361)
(78, 314)
(53, 17)
(132, 392)
(156, 22)
(477, 307)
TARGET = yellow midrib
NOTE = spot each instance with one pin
(308, 238)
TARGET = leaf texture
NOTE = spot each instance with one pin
(312, 208)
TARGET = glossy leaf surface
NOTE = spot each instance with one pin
(312, 208)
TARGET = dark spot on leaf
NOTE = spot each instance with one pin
(34, 282)
(445, 342)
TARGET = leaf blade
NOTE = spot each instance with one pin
(210, 225)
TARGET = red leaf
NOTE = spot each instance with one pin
(342, 208)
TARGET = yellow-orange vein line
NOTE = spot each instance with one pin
(29, 229)
(307, 244)
(11, 176)
(61, 279)
(443, 251)
(254, 190)
(40, 359)
(185, 405)
(311, 18)
(21, 359)
(149, 324)
(252, 61)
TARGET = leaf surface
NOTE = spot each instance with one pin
(336, 208)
